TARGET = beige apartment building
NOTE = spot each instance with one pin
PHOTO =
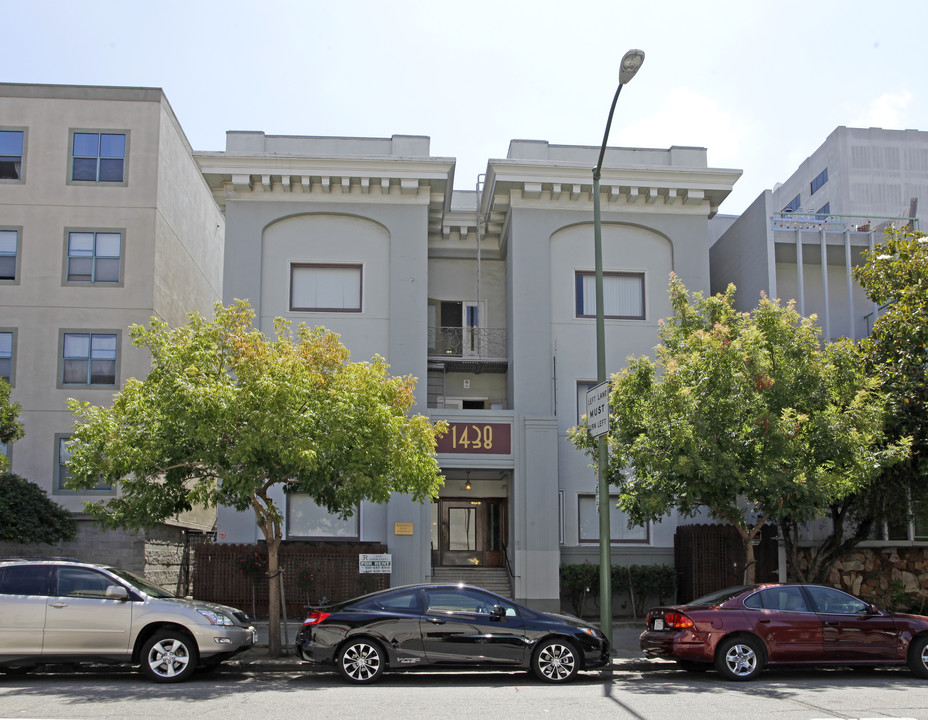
(105, 221)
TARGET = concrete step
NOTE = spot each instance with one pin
(493, 579)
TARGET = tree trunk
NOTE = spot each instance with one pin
(273, 598)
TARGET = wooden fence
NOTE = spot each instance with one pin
(711, 557)
(313, 573)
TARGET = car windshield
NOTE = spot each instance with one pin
(720, 596)
(142, 584)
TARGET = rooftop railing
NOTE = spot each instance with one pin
(807, 220)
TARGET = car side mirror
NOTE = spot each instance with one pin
(117, 592)
(499, 612)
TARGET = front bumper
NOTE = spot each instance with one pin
(222, 641)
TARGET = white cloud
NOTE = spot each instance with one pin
(688, 118)
(888, 111)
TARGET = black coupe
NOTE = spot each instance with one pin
(447, 626)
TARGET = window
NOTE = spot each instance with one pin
(793, 205)
(788, 598)
(819, 180)
(11, 154)
(94, 257)
(9, 251)
(325, 288)
(6, 356)
(305, 519)
(623, 295)
(824, 210)
(835, 602)
(98, 157)
(89, 359)
(82, 583)
(62, 457)
(26, 579)
(618, 522)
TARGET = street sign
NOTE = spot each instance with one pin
(597, 409)
(375, 563)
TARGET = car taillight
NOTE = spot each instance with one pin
(677, 620)
(315, 617)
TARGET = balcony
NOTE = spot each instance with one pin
(469, 349)
(806, 220)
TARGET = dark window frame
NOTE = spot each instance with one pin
(793, 205)
(819, 180)
(94, 257)
(296, 266)
(581, 311)
(89, 358)
(16, 255)
(646, 540)
(61, 473)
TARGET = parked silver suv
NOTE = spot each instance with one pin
(62, 610)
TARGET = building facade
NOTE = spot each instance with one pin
(486, 297)
(802, 239)
(105, 221)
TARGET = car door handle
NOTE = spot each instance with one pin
(832, 623)
(437, 621)
(58, 604)
(764, 621)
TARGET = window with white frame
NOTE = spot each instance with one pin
(63, 474)
(94, 257)
(583, 386)
(325, 287)
(11, 154)
(623, 295)
(98, 157)
(89, 359)
(6, 356)
(9, 252)
(618, 522)
(306, 519)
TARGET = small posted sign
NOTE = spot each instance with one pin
(375, 563)
(597, 409)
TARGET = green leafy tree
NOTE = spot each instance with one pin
(28, 516)
(11, 429)
(895, 276)
(743, 416)
(226, 414)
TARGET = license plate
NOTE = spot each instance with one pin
(659, 624)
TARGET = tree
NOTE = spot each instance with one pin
(226, 414)
(11, 429)
(895, 276)
(743, 416)
(28, 516)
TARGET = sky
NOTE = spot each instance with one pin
(759, 84)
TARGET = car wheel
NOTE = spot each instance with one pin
(739, 658)
(918, 656)
(169, 656)
(555, 661)
(693, 666)
(361, 661)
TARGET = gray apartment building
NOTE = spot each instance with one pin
(486, 297)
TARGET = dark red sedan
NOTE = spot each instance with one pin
(743, 629)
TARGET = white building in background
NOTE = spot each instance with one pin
(486, 297)
(837, 204)
(105, 221)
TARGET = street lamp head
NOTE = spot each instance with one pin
(631, 61)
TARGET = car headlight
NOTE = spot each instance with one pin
(215, 618)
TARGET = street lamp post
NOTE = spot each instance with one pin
(631, 62)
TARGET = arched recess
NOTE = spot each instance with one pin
(325, 239)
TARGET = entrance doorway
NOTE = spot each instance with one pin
(472, 532)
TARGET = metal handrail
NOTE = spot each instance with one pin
(457, 342)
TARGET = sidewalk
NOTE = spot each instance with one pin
(625, 650)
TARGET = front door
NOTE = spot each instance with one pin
(472, 532)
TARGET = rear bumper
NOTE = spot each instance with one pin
(676, 645)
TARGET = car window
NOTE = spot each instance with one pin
(408, 601)
(465, 600)
(829, 600)
(25, 580)
(787, 598)
(82, 582)
(719, 596)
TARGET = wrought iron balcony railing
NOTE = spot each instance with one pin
(467, 343)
